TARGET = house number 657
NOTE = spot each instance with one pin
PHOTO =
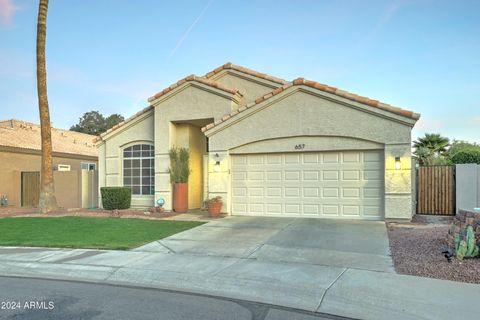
(299, 146)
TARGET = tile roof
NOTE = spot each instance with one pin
(204, 80)
(26, 135)
(196, 79)
(115, 127)
(322, 87)
(231, 66)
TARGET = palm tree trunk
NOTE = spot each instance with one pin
(47, 202)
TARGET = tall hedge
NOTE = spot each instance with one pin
(116, 197)
(466, 156)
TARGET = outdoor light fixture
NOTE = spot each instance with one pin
(217, 163)
(398, 164)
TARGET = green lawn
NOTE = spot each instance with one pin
(82, 232)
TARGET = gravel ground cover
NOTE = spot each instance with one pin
(128, 213)
(416, 249)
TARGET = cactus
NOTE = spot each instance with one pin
(471, 243)
(466, 248)
(462, 250)
(456, 238)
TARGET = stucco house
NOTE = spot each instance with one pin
(75, 160)
(268, 146)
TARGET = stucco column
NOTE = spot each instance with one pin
(101, 171)
(219, 178)
(398, 182)
(164, 134)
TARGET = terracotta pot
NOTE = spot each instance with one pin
(214, 209)
(180, 197)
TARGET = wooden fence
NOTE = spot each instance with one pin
(436, 190)
(30, 189)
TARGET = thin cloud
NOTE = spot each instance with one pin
(475, 121)
(392, 8)
(429, 125)
(7, 11)
(185, 35)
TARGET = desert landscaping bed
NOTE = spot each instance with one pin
(416, 249)
(6, 212)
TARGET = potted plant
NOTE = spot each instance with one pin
(214, 206)
(179, 171)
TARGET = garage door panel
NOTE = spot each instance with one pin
(239, 192)
(322, 184)
(351, 210)
(311, 175)
(351, 157)
(240, 208)
(274, 208)
(311, 209)
(330, 209)
(311, 192)
(311, 158)
(274, 191)
(351, 193)
(351, 175)
(330, 158)
(331, 175)
(293, 158)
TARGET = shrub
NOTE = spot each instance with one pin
(466, 156)
(116, 197)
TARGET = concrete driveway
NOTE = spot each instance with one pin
(339, 243)
(334, 267)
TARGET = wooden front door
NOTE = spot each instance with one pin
(30, 189)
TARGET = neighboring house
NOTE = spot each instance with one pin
(20, 158)
(268, 146)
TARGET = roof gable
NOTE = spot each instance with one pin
(193, 78)
(322, 87)
(231, 66)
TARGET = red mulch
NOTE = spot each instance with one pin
(6, 212)
(417, 250)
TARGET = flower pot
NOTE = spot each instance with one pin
(214, 209)
(180, 197)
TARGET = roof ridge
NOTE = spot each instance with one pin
(239, 68)
(193, 77)
(322, 87)
(19, 134)
(31, 124)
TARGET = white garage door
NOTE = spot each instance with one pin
(324, 184)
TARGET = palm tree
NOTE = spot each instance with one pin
(431, 148)
(47, 202)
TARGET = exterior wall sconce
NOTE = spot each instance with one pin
(398, 164)
(216, 167)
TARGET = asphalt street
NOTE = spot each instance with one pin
(27, 298)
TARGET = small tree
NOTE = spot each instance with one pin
(95, 123)
(464, 152)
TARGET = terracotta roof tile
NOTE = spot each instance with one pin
(326, 88)
(202, 80)
(231, 66)
(26, 135)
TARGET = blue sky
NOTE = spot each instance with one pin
(111, 55)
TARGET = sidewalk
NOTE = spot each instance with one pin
(341, 291)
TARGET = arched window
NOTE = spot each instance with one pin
(139, 169)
